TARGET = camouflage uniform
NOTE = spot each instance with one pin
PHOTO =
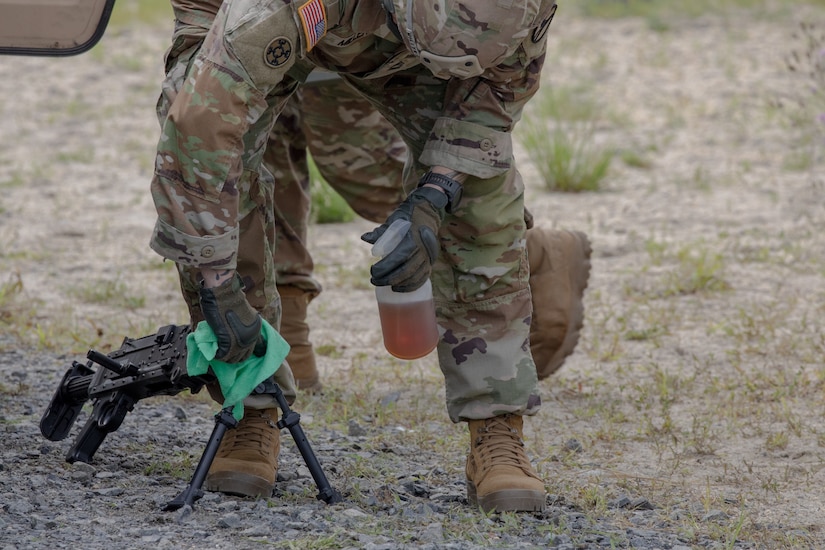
(356, 151)
(211, 203)
(192, 22)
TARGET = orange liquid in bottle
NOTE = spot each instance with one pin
(409, 328)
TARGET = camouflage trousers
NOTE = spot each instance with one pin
(357, 153)
(480, 280)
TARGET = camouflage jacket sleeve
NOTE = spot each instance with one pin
(473, 135)
(200, 188)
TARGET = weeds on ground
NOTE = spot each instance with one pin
(112, 293)
(21, 316)
(179, 464)
(558, 131)
(699, 270)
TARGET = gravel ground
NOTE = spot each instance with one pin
(694, 420)
(117, 500)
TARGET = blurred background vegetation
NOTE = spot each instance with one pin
(558, 134)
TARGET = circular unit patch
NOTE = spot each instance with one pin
(278, 52)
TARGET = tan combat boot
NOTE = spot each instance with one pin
(499, 474)
(559, 270)
(246, 463)
(295, 331)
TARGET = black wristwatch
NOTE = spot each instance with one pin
(452, 188)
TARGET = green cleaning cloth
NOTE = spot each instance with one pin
(237, 380)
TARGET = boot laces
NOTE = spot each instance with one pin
(255, 433)
(497, 441)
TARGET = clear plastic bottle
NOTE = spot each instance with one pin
(407, 318)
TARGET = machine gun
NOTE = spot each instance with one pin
(146, 367)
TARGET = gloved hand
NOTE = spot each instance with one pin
(236, 324)
(410, 263)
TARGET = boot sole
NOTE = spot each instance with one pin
(235, 483)
(509, 500)
(582, 251)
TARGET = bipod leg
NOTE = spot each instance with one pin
(291, 420)
(193, 491)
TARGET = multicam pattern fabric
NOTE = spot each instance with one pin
(356, 151)
(213, 195)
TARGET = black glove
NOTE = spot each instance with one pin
(236, 324)
(410, 263)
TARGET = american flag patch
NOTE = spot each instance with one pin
(314, 20)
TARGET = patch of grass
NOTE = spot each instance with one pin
(699, 179)
(77, 107)
(777, 441)
(15, 179)
(22, 316)
(327, 205)
(80, 156)
(178, 465)
(329, 350)
(113, 293)
(699, 270)
(314, 542)
(558, 131)
(691, 269)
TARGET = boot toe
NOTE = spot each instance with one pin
(501, 496)
(239, 483)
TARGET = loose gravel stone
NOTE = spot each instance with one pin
(47, 503)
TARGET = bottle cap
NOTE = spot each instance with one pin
(391, 238)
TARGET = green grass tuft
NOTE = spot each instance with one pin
(327, 205)
(558, 133)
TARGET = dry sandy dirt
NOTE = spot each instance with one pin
(700, 370)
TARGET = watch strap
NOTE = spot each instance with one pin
(451, 187)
